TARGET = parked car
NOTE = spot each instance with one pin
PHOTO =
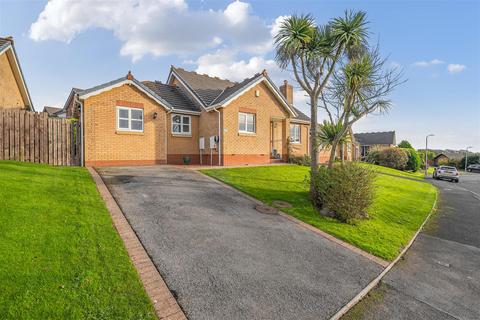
(473, 168)
(446, 172)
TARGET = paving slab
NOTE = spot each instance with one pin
(225, 260)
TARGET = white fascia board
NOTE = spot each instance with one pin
(299, 121)
(180, 111)
(119, 84)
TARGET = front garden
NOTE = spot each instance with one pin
(399, 207)
(61, 257)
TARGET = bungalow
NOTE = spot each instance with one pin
(377, 139)
(13, 90)
(191, 118)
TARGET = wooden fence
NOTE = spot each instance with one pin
(34, 137)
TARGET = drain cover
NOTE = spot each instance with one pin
(266, 209)
(281, 204)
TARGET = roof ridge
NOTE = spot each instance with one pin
(203, 74)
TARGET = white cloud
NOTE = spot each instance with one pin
(157, 27)
(224, 64)
(455, 68)
(428, 63)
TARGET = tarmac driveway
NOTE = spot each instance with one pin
(223, 259)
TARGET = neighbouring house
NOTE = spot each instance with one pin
(191, 118)
(51, 111)
(368, 140)
(440, 159)
(13, 89)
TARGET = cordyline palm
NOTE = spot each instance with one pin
(359, 88)
(327, 132)
(313, 51)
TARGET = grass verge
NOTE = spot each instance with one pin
(61, 256)
(399, 208)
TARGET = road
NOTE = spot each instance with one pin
(439, 278)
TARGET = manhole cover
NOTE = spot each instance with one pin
(281, 204)
(266, 209)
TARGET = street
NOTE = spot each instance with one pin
(439, 277)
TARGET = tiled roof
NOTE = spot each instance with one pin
(229, 91)
(205, 87)
(300, 115)
(172, 94)
(213, 90)
(4, 43)
(51, 110)
(375, 138)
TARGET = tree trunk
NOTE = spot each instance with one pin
(313, 144)
(333, 151)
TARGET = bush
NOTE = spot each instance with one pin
(304, 160)
(344, 191)
(414, 160)
(396, 158)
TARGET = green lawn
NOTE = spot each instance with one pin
(408, 174)
(61, 258)
(399, 208)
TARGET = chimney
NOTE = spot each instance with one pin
(129, 75)
(287, 91)
(9, 38)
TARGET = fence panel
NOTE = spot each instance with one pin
(34, 137)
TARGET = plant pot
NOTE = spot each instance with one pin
(187, 160)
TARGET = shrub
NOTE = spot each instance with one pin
(396, 158)
(304, 160)
(414, 161)
(344, 191)
(405, 144)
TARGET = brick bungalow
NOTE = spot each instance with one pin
(13, 89)
(206, 119)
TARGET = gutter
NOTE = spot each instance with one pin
(82, 135)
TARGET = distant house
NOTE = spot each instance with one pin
(440, 159)
(51, 111)
(13, 90)
(377, 139)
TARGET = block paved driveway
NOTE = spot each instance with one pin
(223, 259)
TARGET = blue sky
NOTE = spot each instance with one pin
(435, 42)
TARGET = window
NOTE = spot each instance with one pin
(181, 124)
(246, 122)
(295, 133)
(129, 119)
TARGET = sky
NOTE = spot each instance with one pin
(63, 44)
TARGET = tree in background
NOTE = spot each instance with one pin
(430, 156)
(313, 51)
(405, 144)
(473, 158)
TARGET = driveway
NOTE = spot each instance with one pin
(223, 259)
(440, 275)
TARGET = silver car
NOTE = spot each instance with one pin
(446, 172)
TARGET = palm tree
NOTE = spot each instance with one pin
(313, 52)
(327, 131)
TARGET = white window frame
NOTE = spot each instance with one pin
(182, 117)
(254, 122)
(129, 119)
(292, 138)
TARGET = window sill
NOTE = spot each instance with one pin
(182, 135)
(247, 134)
(130, 132)
(296, 142)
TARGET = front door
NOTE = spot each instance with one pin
(276, 139)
